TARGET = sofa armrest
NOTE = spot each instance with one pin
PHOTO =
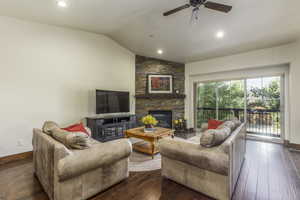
(211, 159)
(102, 154)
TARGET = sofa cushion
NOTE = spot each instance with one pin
(100, 155)
(211, 159)
(214, 137)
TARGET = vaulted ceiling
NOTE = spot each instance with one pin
(139, 25)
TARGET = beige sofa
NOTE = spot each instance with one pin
(78, 174)
(212, 171)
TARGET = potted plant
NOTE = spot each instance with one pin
(149, 121)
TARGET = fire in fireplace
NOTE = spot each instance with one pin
(164, 117)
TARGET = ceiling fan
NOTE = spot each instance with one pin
(198, 3)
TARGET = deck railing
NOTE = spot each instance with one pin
(259, 121)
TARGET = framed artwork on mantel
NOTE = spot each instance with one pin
(160, 84)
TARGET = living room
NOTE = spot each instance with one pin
(145, 83)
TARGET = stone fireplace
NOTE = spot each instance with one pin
(164, 117)
(145, 103)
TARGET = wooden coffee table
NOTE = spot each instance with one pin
(149, 143)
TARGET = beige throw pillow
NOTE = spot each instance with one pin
(228, 124)
(49, 126)
(74, 140)
(214, 137)
(236, 122)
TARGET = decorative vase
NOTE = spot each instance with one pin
(149, 128)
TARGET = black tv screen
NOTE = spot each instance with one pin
(111, 102)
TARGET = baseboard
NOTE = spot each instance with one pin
(291, 145)
(15, 157)
(265, 139)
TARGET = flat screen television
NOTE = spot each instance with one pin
(111, 102)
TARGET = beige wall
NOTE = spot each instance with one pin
(51, 73)
(282, 55)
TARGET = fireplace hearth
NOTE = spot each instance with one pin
(164, 117)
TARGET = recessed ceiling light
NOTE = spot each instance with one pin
(62, 3)
(220, 34)
(159, 51)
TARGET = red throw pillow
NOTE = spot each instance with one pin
(213, 124)
(76, 128)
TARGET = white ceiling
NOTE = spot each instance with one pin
(252, 24)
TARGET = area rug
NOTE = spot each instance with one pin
(139, 162)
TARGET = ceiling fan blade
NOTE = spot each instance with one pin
(217, 6)
(176, 9)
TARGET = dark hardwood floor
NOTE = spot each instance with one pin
(267, 174)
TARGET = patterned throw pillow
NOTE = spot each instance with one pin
(77, 128)
(214, 137)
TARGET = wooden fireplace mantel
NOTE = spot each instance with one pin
(160, 96)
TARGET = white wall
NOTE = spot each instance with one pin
(51, 73)
(282, 55)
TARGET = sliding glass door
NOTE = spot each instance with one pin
(263, 106)
(255, 100)
(220, 100)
